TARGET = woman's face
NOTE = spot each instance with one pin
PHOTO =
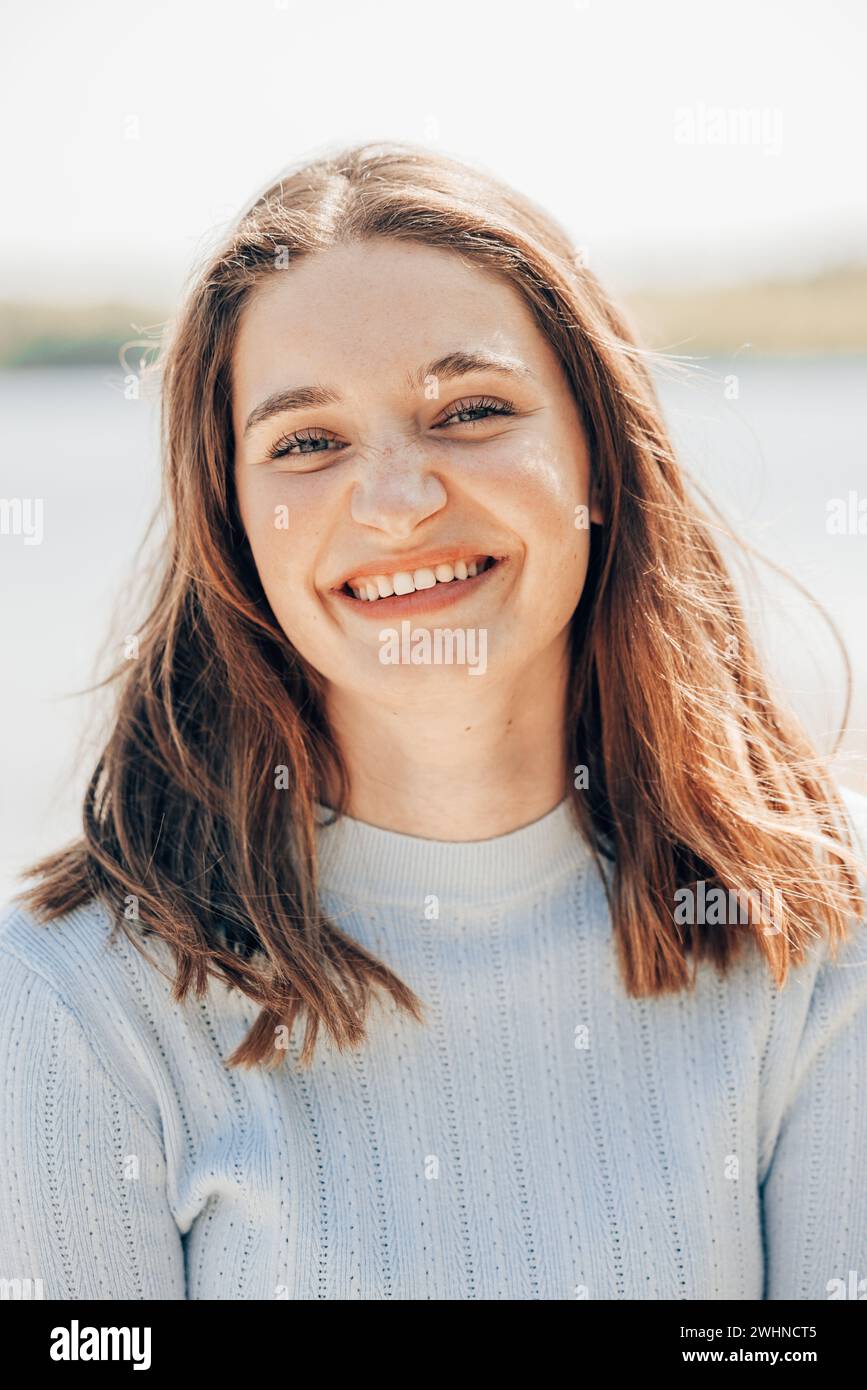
(398, 416)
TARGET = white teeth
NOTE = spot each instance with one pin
(376, 586)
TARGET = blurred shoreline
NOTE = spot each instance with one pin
(811, 316)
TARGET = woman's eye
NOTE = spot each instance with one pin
(465, 412)
(298, 440)
(470, 411)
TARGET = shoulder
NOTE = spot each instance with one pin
(104, 1000)
(820, 958)
(50, 949)
(836, 1000)
(81, 955)
(841, 974)
(818, 1019)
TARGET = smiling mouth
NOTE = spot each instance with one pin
(379, 588)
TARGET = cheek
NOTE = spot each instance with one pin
(546, 476)
(544, 497)
(282, 530)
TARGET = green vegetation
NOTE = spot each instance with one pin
(805, 317)
(49, 335)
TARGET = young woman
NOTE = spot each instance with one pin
(458, 915)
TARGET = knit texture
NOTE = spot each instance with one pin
(540, 1136)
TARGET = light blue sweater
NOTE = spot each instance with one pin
(541, 1137)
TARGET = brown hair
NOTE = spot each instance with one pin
(694, 771)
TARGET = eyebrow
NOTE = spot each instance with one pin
(453, 364)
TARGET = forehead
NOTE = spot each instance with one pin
(345, 314)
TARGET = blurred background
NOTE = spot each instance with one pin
(707, 159)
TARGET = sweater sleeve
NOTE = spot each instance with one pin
(83, 1205)
(814, 1196)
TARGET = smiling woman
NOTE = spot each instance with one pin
(380, 974)
(473, 463)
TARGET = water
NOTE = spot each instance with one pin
(779, 459)
(773, 458)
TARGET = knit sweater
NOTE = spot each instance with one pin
(541, 1136)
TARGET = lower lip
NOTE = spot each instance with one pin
(422, 600)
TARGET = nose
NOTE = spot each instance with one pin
(396, 490)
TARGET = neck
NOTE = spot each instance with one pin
(467, 764)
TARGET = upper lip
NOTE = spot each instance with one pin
(416, 560)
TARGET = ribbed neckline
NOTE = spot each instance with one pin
(367, 863)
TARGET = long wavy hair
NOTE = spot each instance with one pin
(694, 769)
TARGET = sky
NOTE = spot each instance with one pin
(679, 141)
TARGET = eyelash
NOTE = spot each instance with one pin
(493, 406)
